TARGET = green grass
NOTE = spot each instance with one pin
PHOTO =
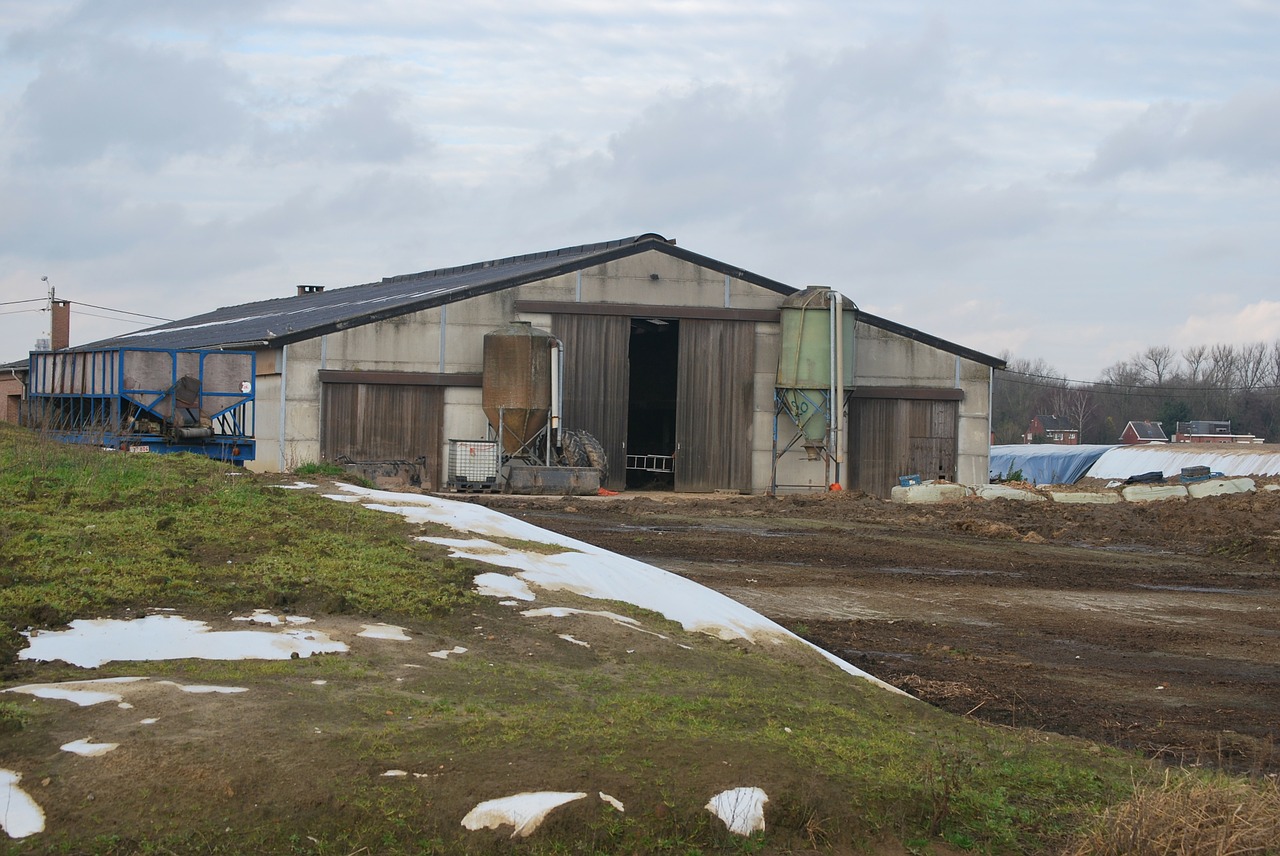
(88, 533)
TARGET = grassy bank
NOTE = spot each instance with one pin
(661, 719)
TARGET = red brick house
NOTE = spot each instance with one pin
(1057, 430)
(1143, 432)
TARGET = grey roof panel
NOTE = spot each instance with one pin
(280, 321)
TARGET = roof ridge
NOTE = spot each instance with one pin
(582, 249)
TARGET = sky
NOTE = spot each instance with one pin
(1066, 181)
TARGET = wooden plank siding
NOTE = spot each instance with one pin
(384, 422)
(891, 437)
(595, 383)
(714, 405)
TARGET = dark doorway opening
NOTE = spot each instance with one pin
(654, 352)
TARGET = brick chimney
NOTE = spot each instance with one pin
(309, 289)
(61, 325)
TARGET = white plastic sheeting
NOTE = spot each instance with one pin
(1169, 458)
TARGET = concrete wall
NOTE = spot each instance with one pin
(882, 358)
(450, 339)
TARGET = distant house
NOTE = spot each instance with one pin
(1209, 431)
(1052, 429)
(1143, 432)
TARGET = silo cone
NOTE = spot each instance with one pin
(516, 392)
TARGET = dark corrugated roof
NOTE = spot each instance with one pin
(1148, 431)
(270, 323)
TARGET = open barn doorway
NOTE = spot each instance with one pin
(654, 352)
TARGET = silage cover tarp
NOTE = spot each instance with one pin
(1230, 460)
(1044, 463)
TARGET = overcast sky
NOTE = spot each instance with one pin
(1066, 180)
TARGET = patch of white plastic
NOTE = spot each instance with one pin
(300, 485)
(566, 637)
(566, 611)
(82, 693)
(524, 811)
(444, 655)
(384, 631)
(91, 643)
(741, 809)
(87, 748)
(613, 801)
(395, 774)
(205, 689)
(269, 618)
(20, 815)
(502, 585)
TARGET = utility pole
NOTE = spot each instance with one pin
(48, 341)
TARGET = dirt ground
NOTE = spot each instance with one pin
(1154, 627)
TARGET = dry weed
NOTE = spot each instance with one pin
(1190, 816)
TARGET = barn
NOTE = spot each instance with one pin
(670, 359)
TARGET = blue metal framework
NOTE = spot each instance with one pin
(146, 400)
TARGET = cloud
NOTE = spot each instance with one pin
(1258, 321)
(1240, 134)
(364, 127)
(144, 105)
(862, 153)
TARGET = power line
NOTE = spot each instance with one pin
(32, 300)
(121, 311)
(1107, 386)
(106, 317)
(21, 311)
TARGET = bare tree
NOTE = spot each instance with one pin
(1252, 367)
(1075, 404)
(1195, 358)
(1124, 373)
(1157, 363)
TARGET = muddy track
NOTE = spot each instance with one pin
(1152, 627)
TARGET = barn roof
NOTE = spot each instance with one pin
(281, 321)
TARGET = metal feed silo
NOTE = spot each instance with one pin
(807, 362)
(517, 384)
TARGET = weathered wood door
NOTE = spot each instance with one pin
(596, 381)
(714, 405)
(367, 422)
(891, 437)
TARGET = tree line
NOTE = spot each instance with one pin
(1240, 383)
